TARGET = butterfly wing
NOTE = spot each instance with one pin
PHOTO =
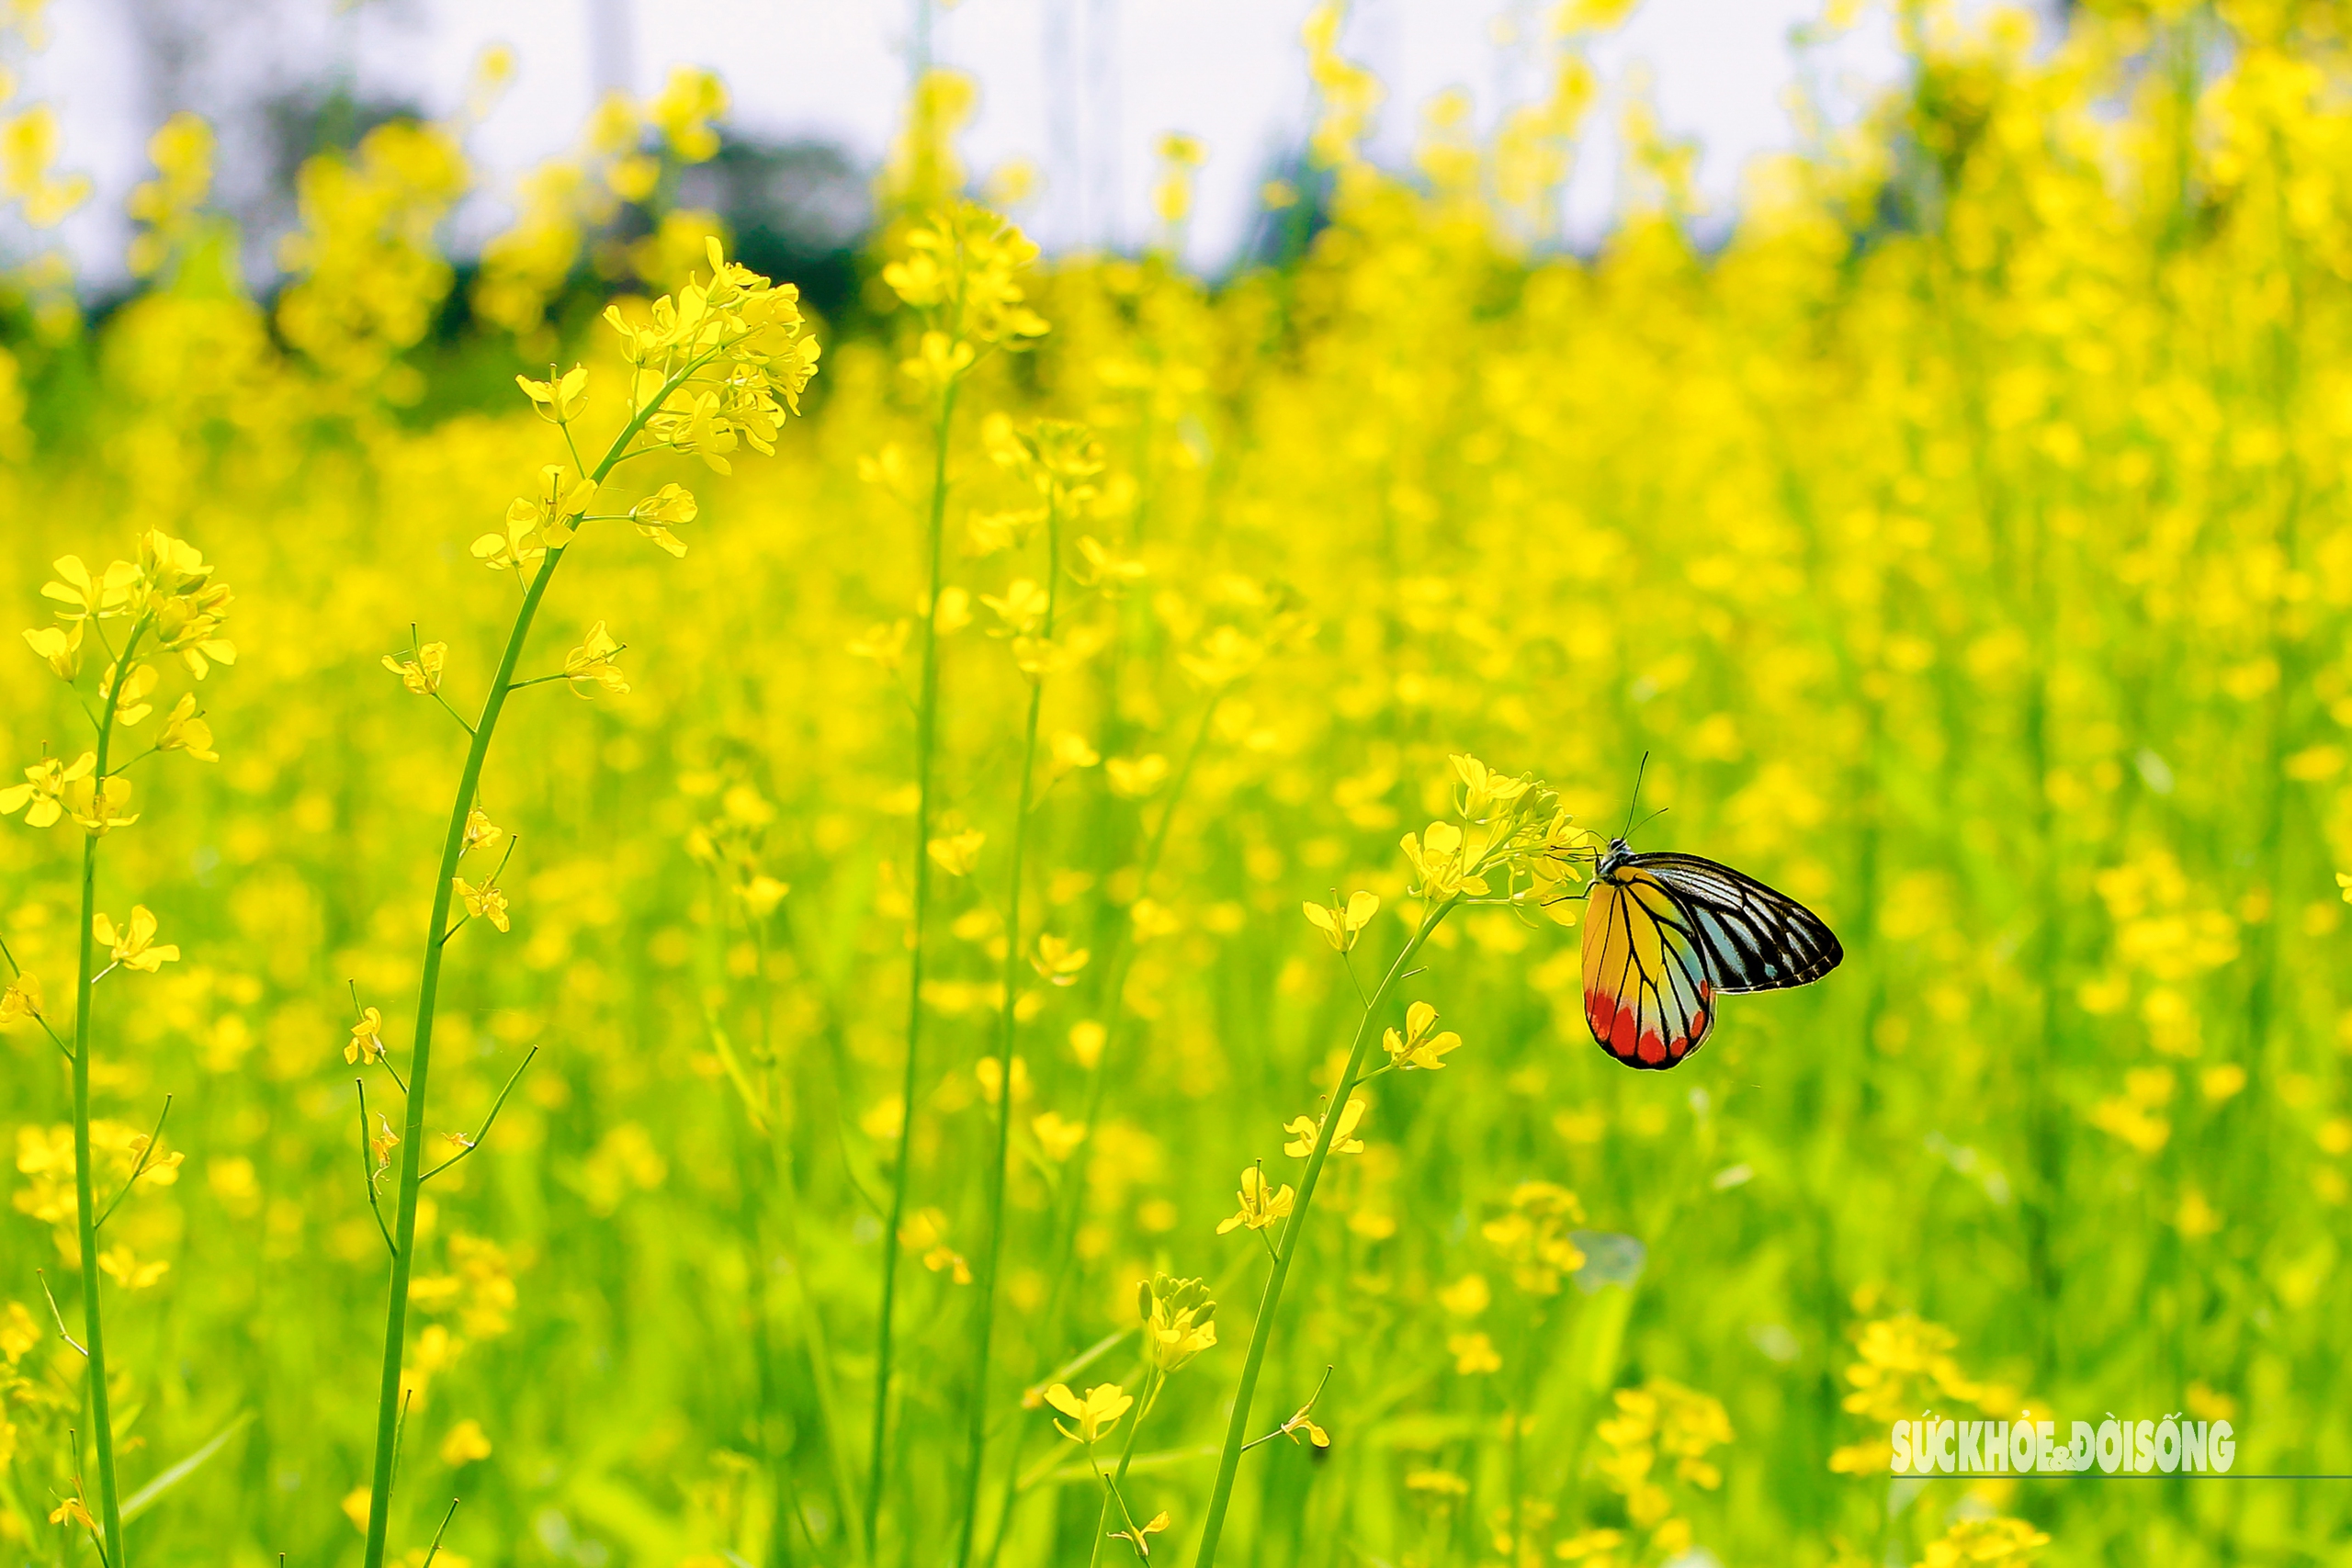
(1646, 992)
(1754, 937)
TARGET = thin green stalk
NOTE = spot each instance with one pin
(1152, 1382)
(926, 733)
(764, 1116)
(1262, 1332)
(436, 936)
(812, 1327)
(752, 1131)
(977, 1443)
(388, 1392)
(813, 1323)
(1074, 1170)
(94, 1338)
(748, 1135)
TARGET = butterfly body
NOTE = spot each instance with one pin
(1666, 935)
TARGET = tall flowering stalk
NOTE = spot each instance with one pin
(719, 366)
(1177, 1321)
(1223, 659)
(1512, 846)
(1060, 460)
(958, 276)
(732, 845)
(173, 607)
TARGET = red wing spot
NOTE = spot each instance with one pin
(1677, 1046)
(1652, 1049)
(1705, 992)
(1596, 1013)
(1621, 1033)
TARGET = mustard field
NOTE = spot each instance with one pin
(943, 927)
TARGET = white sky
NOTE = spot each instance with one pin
(1083, 88)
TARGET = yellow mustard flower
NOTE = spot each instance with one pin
(1261, 1203)
(1105, 571)
(1135, 777)
(382, 1141)
(1138, 1536)
(1302, 1426)
(123, 1266)
(184, 730)
(1057, 961)
(366, 1043)
(1984, 1543)
(41, 796)
(1342, 924)
(1222, 657)
(558, 399)
(955, 853)
(1597, 1546)
(1466, 1297)
(1420, 1045)
(464, 1444)
(486, 901)
(131, 705)
(87, 597)
(1056, 1136)
(189, 608)
(1473, 1354)
(1438, 860)
(1481, 792)
(60, 648)
(422, 675)
(1094, 1413)
(1303, 1131)
(99, 806)
(1177, 1319)
(590, 668)
(1020, 609)
(134, 947)
(683, 109)
(659, 512)
(1533, 1236)
(480, 832)
(21, 1000)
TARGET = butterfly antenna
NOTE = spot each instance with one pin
(1634, 804)
(1647, 820)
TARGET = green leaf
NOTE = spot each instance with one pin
(147, 1496)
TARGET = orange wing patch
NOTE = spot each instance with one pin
(1646, 996)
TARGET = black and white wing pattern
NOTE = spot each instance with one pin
(1754, 937)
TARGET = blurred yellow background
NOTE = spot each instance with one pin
(1963, 542)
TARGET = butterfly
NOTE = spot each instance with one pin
(1666, 935)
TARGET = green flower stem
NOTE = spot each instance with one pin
(976, 1442)
(436, 937)
(750, 1131)
(766, 1116)
(1262, 1332)
(1111, 1492)
(926, 735)
(388, 1393)
(812, 1322)
(93, 1338)
(748, 1136)
(1074, 1170)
